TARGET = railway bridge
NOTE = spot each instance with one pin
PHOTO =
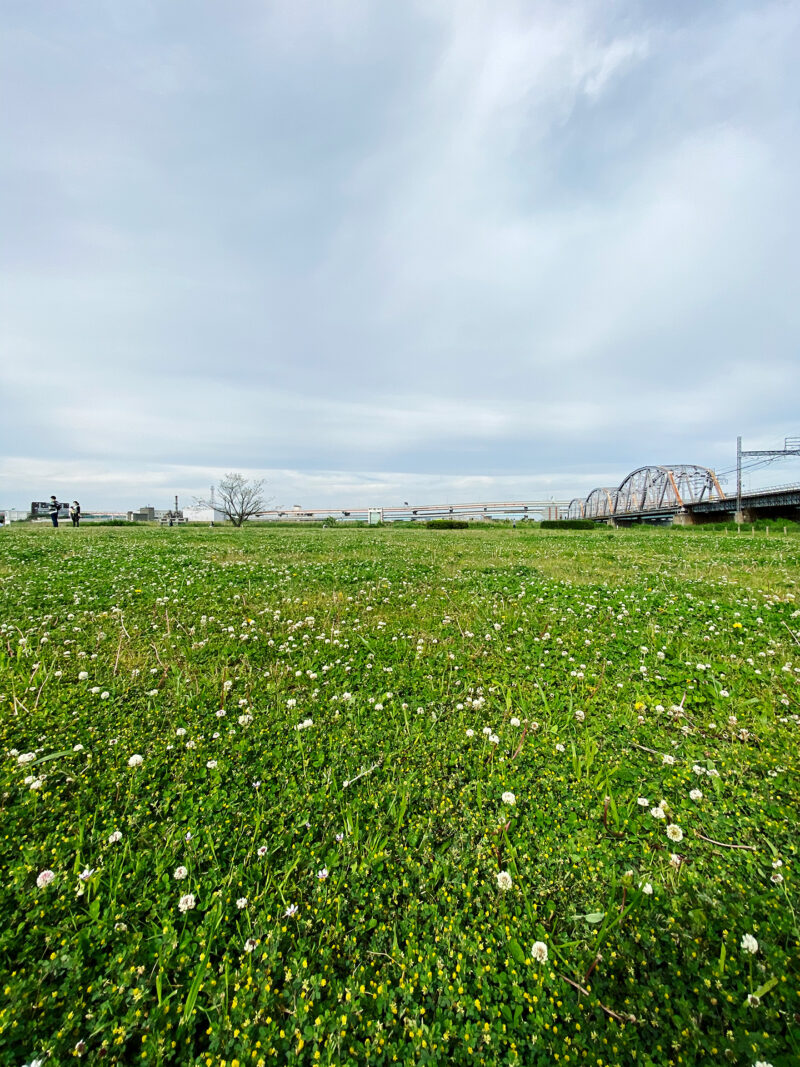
(684, 493)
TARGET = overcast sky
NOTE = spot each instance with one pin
(374, 251)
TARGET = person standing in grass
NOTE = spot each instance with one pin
(75, 513)
(54, 506)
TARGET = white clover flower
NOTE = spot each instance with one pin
(504, 880)
(643, 802)
(95, 689)
(776, 864)
(227, 685)
(262, 851)
(658, 813)
(116, 836)
(486, 731)
(749, 944)
(180, 873)
(646, 888)
(539, 952)
(181, 731)
(77, 748)
(776, 877)
(695, 794)
(246, 719)
(37, 783)
(250, 944)
(211, 764)
(494, 739)
(470, 733)
(514, 721)
(187, 902)
(26, 757)
(241, 903)
(559, 747)
(580, 715)
(135, 760)
(675, 859)
(221, 713)
(508, 798)
(668, 760)
(45, 878)
(105, 695)
(674, 833)
(83, 676)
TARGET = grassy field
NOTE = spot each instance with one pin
(399, 796)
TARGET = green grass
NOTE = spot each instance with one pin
(607, 668)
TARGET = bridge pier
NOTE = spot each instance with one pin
(693, 518)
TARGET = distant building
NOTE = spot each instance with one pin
(147, 514)
(200, 513)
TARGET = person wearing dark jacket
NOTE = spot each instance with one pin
(75, 513)
(54, 506)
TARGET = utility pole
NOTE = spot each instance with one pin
(791, 447)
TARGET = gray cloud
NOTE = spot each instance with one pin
(479, 245)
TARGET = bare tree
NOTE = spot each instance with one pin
(237, 498)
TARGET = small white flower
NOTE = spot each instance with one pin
(539, 952)
(646, 888)
(508, 798)
(322, 874)
(26, 757)
(211, 764)
(580, 715)
(340, 838)
(504, 880)
(675, 859)
(290, 911)
(559, 747)
(250, 944)
(262, 851)
(186, 903)
(643, 802)
(749, 944)
(776, 877)
(470, 733)
(135, 760)
(77, 748)
(180, 732)
(105, 695)
(116, 836)
(87, 873)
(494, 739)
(695, 794)
(658, 813)
(36, 783)
(514, 721)
(241, 903)
(668, 760)
(45, 878)
(179, 874)
(83, 676)
(486, 731)
(776, 864)
(674, 833)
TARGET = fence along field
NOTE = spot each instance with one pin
(399, 796)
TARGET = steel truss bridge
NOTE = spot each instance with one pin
(684, 492)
